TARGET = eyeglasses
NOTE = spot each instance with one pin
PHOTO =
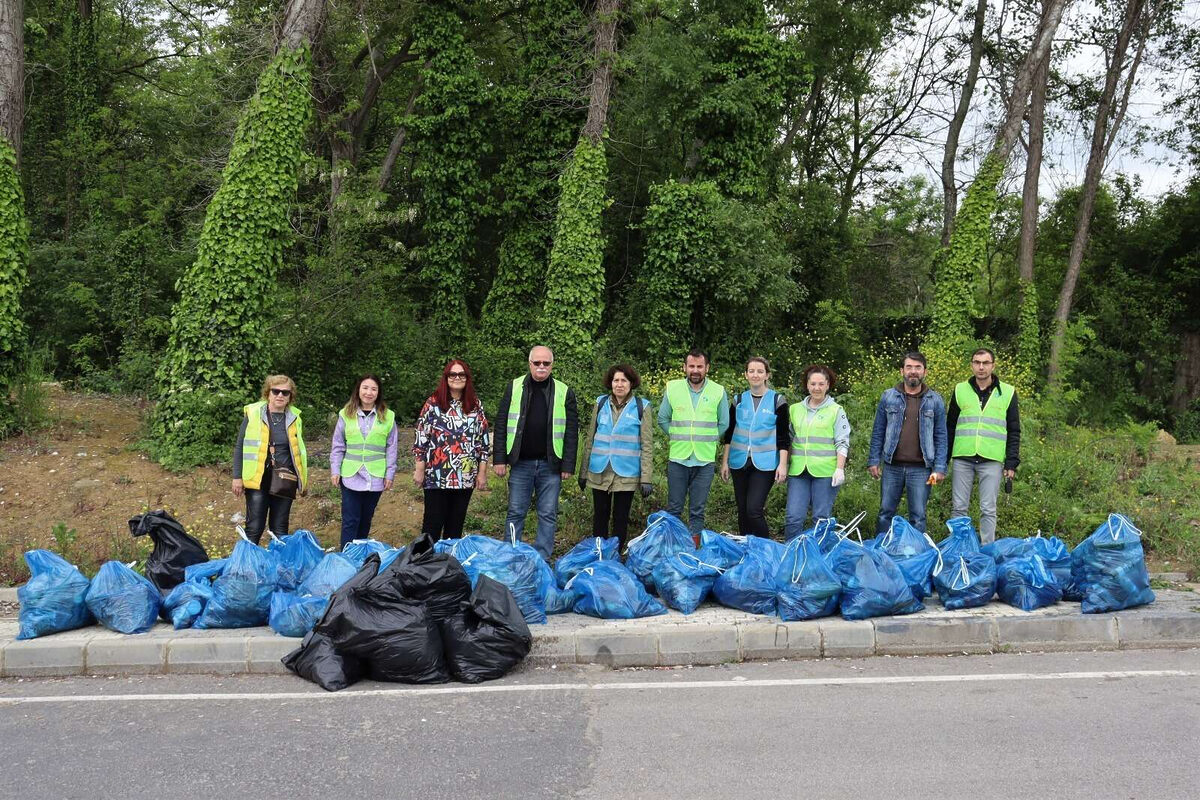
(281, 392)
(456, 376)
(541, 363)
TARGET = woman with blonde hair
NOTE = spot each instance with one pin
(270, 462)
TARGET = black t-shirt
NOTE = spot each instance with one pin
(279, 439)
(535, 434)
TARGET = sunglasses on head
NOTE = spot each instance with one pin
(281, 392)
(541, 363)
(460, 375)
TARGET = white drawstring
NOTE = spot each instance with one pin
(629, 545)
(798, 571)
(599, 550)
(963, 575)
(274, 538)
(242, 533)
(512, 534)
(588, 570)
(887, 537)
(1122, 522)
(699, 563)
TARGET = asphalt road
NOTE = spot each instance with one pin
(1080, 725)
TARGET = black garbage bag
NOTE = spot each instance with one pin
(488, 636)
(426, 578)
(395, 637)
(318, 661)
(174, 550)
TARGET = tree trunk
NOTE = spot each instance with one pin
(1033, 171)
(12, 72)
(950, 156)
(393, 153)
(1104, 131)
(1187, 372)
(1052, 13)
(605, 26)
(301, 23)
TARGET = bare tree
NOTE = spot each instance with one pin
(950, 154)
(1110, 113)
(602, 74)
(12, 71)
(1033, 171)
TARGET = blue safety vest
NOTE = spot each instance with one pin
(618, 443)
(754, 433)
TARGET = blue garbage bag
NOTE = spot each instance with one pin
(607, 589)
(1004, 548)
(358, 550)
(825, 533)
(722, 549)
(1109, 567)
(474, 543)
(327, 576)
(962, 540)
(664, 536)
(1057, 555)
(585, 552)
(242, 592)
(969, 582)
(294, 614)
(555, 600)
(205, 570)
(295, 554)
(914, 552)
(54, 599)
(684, 580)
(750, 585)
(519, 571)
(122, 600)
(807, 587)
(1025, 582)
(872, 584)
(186, 602)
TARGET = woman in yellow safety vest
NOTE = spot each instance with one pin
(820, 445)
(362, 460)
(270, 462)
(450, 452)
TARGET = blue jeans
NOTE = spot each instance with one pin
(691, 484)
(527, 481)
(895, 481)
(357, 510)
(802, 491)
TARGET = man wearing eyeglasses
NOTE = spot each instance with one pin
(537, 435)
(984, 424)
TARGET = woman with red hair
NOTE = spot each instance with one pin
(451, 451)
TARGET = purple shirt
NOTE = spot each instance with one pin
(362, 481)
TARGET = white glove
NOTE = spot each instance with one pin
(839, 477)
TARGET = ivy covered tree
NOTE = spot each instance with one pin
(14, 230)
(217, 356)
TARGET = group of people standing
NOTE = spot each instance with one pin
(536, 444)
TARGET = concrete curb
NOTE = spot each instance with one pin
(713, 635)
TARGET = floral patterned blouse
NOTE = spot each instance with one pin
(452, 445)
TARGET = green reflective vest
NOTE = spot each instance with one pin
(982, 430)
(812, 440)
(693, 431)
(558, 420)
(370, 451)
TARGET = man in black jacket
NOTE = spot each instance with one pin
(536, 436)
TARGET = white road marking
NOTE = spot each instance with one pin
(351, 694)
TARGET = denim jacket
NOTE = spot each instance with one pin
(889, 417)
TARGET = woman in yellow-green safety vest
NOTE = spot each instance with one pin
(820, 446)
(270, 462)
(362, 460)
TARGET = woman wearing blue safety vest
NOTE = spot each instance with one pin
(362, 460)
(820, 445)
(620, 452)
(756, 448)
(270, 462)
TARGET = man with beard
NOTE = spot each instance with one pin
(908, 444)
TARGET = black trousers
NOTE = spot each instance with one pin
(260, 505)
(445, 512)
(617, 505)
(750, 489)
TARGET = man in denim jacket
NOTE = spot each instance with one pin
(909, 446)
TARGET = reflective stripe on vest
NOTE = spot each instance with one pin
(370, 451)
(812, 440)
(694, 431)
(754, 433)
(558, 419)
(619, 443)
(257, 440)
(982, 430)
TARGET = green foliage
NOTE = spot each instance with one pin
(574, 303)
(14, 250)
(448, 142)
(1029, 337)
(1187, 429)
(966, 258)
(216, 355)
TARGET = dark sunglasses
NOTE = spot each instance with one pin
(281, 392)
(541, 363)
(461, 375)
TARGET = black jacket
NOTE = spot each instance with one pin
(501, 454)
(1012, 444)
